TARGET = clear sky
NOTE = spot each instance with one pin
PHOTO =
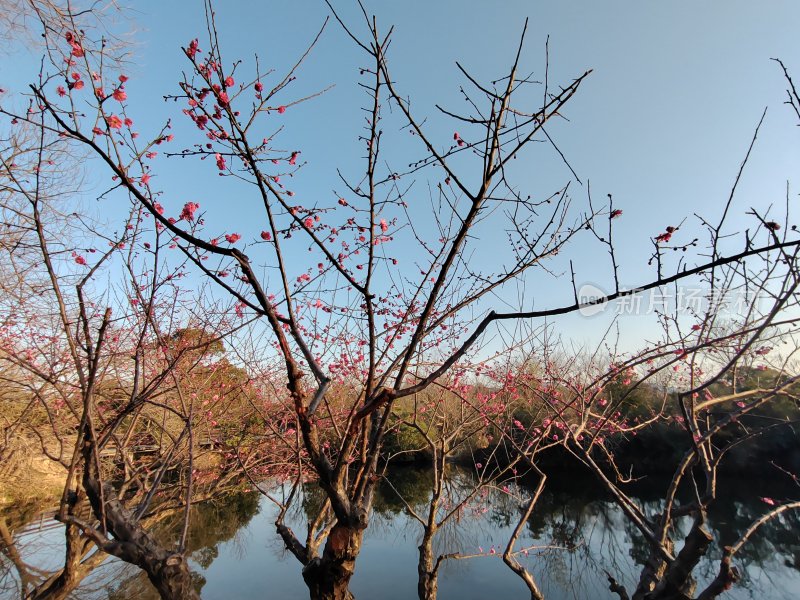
(662, 123)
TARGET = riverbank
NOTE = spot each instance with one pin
(28, 477)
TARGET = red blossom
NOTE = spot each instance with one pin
(114, 122)
(193, 48)
(232, 238)
(281, 109)
(61, 91)
(229, 81)
(119, 95)
(259, 87)
(220, 161)
(266, 236)
(123, 78)
(615, 213)
(188, 211)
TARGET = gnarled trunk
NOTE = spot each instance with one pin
(328, 577)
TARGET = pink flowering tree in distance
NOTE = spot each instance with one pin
(394, 313)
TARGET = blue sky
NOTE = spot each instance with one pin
(662, 123)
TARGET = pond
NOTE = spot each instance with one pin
(576, 537)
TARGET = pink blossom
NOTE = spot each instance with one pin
(309, 222)
(114, 122)
(119, 94)
(220, 161)
(281, 109)
(384, 225)
(188, 211)
(193, 48)
(61, 91)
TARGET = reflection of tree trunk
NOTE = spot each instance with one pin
(61, 584)
(328, 578)
(10, 550)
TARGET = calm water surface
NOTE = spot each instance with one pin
(236, 553)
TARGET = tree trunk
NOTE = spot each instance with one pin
(428, 582)
(172, 578)
(328, 578)
(77, 562)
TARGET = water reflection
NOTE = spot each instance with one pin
(577, 536)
